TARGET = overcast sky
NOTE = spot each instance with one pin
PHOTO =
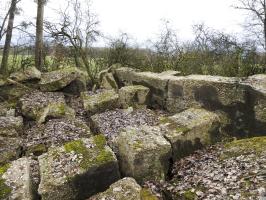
(141, 19)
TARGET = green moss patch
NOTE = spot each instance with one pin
(256, 145)
(189, 195)
(146, 194)
(4, 189)
(94, 156)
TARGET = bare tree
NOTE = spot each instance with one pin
(77, 28)
(9, 31)
(257, 22)
(39, 58)
(166, 49)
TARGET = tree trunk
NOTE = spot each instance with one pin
(39, 61)
(4, 64)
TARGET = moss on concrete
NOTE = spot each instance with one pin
(37, 149)
(99, 102)
(255, 145)
(95, 156)
(189, 195)
(4, 189)
(146, 194)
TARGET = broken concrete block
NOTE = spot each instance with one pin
(77, 170)
(107, 99)
(213, 92)
(190, 130)
(10, 149)
(59, 79)
(157, 83)
(133, 95)
(143, 153)
(39, 105)
(257, 102)
(107, 80)
(28, 74)
(126, 188)
(7, 109)
(18, 180)
(11, 126)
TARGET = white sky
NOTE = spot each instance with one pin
(141, 19)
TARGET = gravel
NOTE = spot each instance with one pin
(55, 132)
(206, 175)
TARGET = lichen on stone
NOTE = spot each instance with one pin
(4, 189)
(256, 145)
(146, 194)
(95, 157)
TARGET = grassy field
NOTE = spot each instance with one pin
(22, 61)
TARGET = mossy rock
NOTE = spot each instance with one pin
(5, 190)
(54, 132)
(107, 99)
(255, 145)
(146, 194)
(28, 74)
(10, 149)
(39, 105)
(10, 126)
(7, 109)
(17, 180)
(89, 167)
(107, 80)
(157, 83)
(143, 153)
(59, 79)
(191, 129)
(98, 156)
(133, 95)
(125, 189)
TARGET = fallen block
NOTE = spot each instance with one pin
(77, 170)
(107, 99)
(19, 180)
(143, 153)
(135, 96)
(39, 105)
(126, 188)
(191, 130)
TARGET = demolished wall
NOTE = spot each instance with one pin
(243, 99)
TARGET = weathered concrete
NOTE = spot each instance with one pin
(143, 153)
(11, 126)
(192, 129)
(135, 95)
(242, 99)
(107, 99)
(10, 149)
(7, 109)
(57, 80)
(156, 82)
(17, 181)
(39, 105)
(10, 141)
(257, 101)
(77, 170)
(125, 189)
(207, 91)
(107, 80)
(28, 74)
